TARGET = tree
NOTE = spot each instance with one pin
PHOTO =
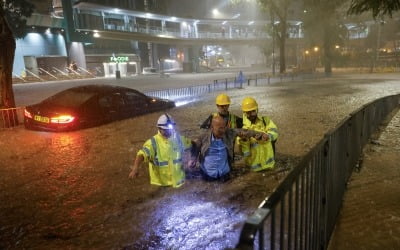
(323, 26)
(278, 13)
(278, 9)
(13, 14)
(378, 8)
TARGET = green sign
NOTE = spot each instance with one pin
(119, 59)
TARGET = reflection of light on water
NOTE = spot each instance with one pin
(195, 224)
(182, 102)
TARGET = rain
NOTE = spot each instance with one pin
(71, 189)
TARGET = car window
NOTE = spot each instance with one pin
(69, 98)
(134, 98)
(113, 100)
(105, 101)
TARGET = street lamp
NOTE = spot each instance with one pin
(215, 12)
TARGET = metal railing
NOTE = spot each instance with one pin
(11, 117)
(302, 211)
(217, 85)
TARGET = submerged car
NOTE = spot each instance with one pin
(88, 106)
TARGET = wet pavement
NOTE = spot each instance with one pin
(71, 191)
(370, 217)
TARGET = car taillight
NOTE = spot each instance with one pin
(62, 119)
(27, 114)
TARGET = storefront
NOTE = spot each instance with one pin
(108, 65)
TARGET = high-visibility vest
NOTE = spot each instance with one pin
(231, 122)
(164, 156)
(258, 154)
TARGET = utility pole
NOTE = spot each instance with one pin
(273, 42)
(149, 44)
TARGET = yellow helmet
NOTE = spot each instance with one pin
(222, 99)
(249, 104)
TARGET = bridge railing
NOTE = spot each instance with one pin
(302, 211)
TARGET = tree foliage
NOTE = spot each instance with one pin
(324, 27)
(378, 7)
(16, 13)
(278, 9)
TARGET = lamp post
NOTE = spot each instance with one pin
(273, 42)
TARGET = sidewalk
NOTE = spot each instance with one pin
(370, 216)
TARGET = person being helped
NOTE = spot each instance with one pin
(232, 121)
(163, 152)
(259, 151)
(215, 149)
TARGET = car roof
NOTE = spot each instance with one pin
(100, 88)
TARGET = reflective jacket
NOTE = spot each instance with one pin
(258, 154)
(165, 159)
(232, 121)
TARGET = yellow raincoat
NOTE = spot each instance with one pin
(258, 154)
(165, 159)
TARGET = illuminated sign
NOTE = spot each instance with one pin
(119, 59)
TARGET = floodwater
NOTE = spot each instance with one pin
(71, 191)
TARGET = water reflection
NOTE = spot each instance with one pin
(183, 101)
(66, 181)
(190, 222)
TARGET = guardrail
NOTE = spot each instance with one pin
(218, 85)
(302, 211)
(11, 117)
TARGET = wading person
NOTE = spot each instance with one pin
(215, 149)
(163, 152)
(258, 152)
(232, 121)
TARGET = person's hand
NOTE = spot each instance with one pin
(133, 174)
(258, 136)
(192, 163)
(265, 137)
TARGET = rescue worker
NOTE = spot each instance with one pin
(163, 152)
(232, 121)
(215, 149)
(258, 152)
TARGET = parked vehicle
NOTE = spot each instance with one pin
(88, 106)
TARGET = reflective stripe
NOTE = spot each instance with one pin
(180, 182)
(269, 160)
(246, 154)
(253, 145)
(154, 144)
(177, 161)
(146, 151)
(163, 163)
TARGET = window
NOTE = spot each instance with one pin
(133, 98)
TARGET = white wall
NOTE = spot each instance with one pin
(37, 44)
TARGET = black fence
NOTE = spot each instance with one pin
(220, 85)
(302, 211)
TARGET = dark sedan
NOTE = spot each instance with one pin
(88, 106)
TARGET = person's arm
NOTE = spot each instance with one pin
(135, 169)
(246, 133)
(207, 123)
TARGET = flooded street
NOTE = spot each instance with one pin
(71, 190)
